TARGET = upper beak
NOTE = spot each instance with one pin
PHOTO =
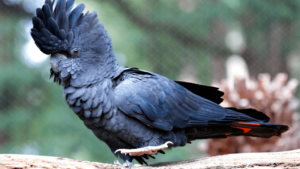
(54, 61)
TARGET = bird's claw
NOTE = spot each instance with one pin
(126, 164)
(116, 162)
(150, 150)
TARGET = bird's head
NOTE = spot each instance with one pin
(80, 47)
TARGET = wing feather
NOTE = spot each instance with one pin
(164, 104)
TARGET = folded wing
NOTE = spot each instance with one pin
(164, 104)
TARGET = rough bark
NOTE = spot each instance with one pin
(254, 160)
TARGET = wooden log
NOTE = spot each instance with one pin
(16, 161)
(286, 159)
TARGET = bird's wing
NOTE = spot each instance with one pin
(208, 92)
(164, 104)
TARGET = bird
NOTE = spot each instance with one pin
(137, 113)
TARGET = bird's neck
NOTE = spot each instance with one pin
(90, 74)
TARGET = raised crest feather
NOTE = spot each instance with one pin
(70, 4)
(60, 6)
(75, 14)
(61, 21)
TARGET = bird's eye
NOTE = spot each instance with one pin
(75, 52)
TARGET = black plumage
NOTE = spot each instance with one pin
(127, 107)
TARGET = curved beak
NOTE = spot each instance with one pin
(55, 59)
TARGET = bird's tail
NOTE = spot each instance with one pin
(255, 129)
(259, 127)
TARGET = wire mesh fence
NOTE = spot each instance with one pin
(188, 40)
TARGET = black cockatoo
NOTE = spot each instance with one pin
(135, 112)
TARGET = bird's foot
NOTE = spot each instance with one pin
(126, 164)
(150, 150)
(116, 162)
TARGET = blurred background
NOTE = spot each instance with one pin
(225, 43)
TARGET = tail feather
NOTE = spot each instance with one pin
(264, 130)
(252, 113)
(236, 122)
(260, 127)
(254, 129)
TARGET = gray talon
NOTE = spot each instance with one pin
(116, 162)
(128, 164)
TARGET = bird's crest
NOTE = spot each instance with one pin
(56, 30)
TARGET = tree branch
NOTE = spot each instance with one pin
(15, 161)
(241, 160)
(261, 160)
